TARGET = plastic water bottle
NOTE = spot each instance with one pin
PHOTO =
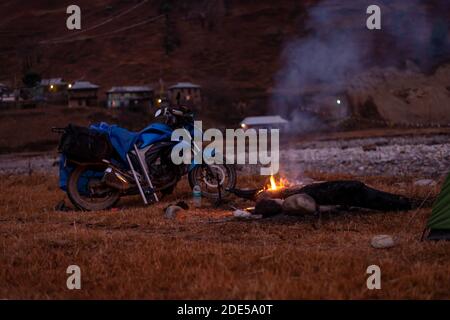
(197, 196)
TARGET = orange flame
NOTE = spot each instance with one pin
(282, 183)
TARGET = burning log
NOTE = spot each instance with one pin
(281, 190)
(279, 193)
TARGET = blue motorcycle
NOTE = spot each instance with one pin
(103, 163)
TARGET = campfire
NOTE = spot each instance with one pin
(274, 186)
(271, 189)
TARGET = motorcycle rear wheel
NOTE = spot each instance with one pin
(87, 202)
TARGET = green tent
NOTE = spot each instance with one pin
(439, 221)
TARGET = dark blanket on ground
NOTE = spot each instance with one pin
(355, 194)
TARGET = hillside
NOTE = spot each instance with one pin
(237, 50)
(233, 48)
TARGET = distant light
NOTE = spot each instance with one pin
(159, 100)
(338, 101)
(243, 126)
(52, 86)
(70, 85)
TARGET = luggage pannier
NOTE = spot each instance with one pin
(84, 145)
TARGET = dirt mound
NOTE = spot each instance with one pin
(402, 97)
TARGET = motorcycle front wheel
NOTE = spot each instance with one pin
(209, 176)
(86, 191)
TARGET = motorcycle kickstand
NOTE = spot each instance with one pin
(144, 169)
(219, 190)
(144, 198)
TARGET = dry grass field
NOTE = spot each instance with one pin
(134, 252)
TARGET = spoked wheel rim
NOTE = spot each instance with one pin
(83, 191)
(207, 179)
(219, 176)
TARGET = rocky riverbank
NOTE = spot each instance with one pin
(28, 163)
(425, 156)
(420, 156)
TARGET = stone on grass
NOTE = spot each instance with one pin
(299, 204)
(172, 211)
(425, 183)
(382, 241)
(241, 214)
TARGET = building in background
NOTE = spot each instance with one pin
(52, 91)
(132, 97)
(7, 96)
(4, 89)
(185, 93)
(264, 122)
(83, 94)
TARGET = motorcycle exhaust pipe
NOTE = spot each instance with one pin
(115, 179)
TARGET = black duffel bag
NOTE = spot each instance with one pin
(84, 145)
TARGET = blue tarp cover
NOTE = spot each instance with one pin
(122, 140)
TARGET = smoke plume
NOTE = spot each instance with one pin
(319, 67)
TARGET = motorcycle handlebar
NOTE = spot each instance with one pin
(179, 113)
